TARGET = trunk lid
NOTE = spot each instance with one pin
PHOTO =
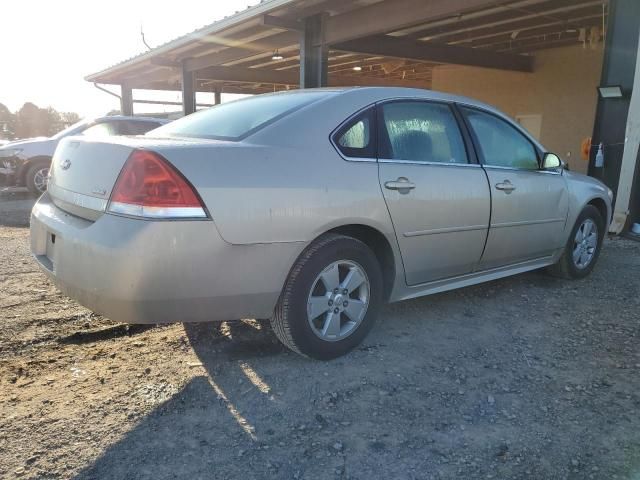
(83, 173)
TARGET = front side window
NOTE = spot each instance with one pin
(501, 145)
(356, 138)
(422, 132)
(239, 118)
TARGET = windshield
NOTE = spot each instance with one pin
(240, 118)
(75, 128)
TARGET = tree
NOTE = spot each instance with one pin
(69, 118)
(51, 121)
(7, 123)
(27, 121)
(31, 121)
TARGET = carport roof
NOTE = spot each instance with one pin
(393, 42)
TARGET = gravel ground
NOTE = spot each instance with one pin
(526, 377)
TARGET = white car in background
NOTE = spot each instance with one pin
(25, 163)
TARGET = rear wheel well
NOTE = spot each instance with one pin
(31, 162)
(379, 244)
(602, 208)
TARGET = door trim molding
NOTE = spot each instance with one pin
(527, 222)
(438, 164)
(435, 231)
(452, 283)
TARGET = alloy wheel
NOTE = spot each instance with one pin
(585, 244)
(338, 300)
(40, 178)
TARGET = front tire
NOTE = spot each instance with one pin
(583, 247)
(37, 178)
(330, 299)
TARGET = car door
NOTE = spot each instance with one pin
(529, 205)
(437, 196)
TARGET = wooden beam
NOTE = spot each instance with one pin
(362, 81)
(161, 75)
(497, 41)
(165, 62)
(314, 53)
(269, 44)
(258, 75)
(126, 100)
(435, 52)
(545, 45)
(282, 23)
(188, 92)
(522, 26)
(252, 75)
(559, 10)
(387, 16)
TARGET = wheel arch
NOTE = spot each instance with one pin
(601, 205)
(28, 164)
(380, 246)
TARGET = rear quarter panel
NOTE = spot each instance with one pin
(287, 183)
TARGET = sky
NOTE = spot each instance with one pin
(48, 47)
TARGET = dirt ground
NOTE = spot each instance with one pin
(527, 377)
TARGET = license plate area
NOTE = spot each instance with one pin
(48, 259)
(51, 243)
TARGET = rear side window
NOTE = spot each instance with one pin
(104, 129)
(137, 127)
(501, 144)
(240, 118)
(421, 132)
(356, 139)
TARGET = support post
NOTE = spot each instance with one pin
(217, 94)
(126, 100)
(628, 168)
(614, 117)
(313, 52)
(188, 91)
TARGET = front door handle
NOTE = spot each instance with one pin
(402, 184)
(506, 186)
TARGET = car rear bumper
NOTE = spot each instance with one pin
(139, 271)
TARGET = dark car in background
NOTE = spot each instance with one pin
(25, 163)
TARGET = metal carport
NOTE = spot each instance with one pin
(393, 42)
(284, 44)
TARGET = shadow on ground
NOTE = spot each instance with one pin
(210, 425)
(15, 207)
(526, 377)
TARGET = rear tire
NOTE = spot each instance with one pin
(583, 246)
(36, 178)
(321, 320)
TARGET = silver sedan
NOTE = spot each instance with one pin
(311, 208)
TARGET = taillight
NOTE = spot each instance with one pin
(150, 187)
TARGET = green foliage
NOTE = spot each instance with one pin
(32, 121)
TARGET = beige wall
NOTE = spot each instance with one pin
(562, 89)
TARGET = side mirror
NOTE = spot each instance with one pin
(552, 162)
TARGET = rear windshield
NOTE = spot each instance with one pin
(238, 119)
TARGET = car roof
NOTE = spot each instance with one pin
(382, 93)
(379, 94)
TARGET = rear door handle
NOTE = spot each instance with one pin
(402, 184)
(506, 186)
